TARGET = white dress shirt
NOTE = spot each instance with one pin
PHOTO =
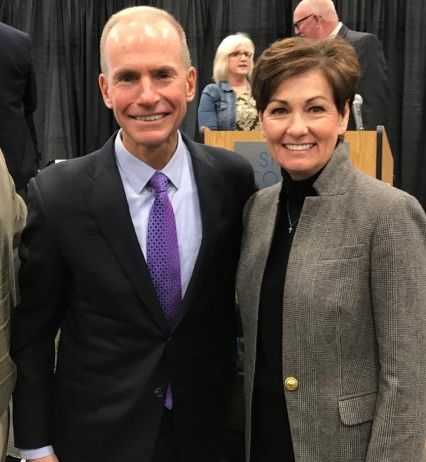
(335, 31)
(183, 195)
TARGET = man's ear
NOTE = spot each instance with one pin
(103, 85)
(191, 80)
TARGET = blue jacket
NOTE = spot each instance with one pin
(217, 107)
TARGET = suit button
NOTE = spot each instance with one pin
(159, 392)
(291, 383)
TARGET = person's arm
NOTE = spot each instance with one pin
(398, 290)
(30, 96)
(49, 458)
(44, 280)
(373, 85)
(207, 111)
(40, 455)
(20, 209)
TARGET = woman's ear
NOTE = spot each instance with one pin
(261, 124)
(344, 119)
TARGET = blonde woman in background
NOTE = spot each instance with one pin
(228, 104)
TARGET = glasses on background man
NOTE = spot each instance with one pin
(297, 24)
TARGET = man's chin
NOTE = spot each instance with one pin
(150, 140)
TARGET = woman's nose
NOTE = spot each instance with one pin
(297, 125)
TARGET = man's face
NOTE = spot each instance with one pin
(306, 23)
(147, 86)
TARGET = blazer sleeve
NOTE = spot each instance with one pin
(398, 285)
(30, 95)
(207, 111)
(373, 84)
(44, 280)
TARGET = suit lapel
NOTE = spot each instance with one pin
(107, 201)
(210, 191)
(343, 31)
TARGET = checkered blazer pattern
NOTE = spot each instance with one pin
(354, 317)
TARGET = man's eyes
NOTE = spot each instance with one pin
(127, 77)
(161, 75)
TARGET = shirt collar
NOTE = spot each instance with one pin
(335, 31)
(225, 85)
(138, 173)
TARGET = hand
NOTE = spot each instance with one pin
(49, 458)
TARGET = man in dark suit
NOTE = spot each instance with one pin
(18, 101)
(131, 381)
(318, 19)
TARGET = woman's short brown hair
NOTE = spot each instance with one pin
(290, 57)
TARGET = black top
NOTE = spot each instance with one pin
(271, 437)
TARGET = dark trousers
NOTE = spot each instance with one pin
(166, 448)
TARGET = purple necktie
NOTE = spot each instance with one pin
(163, 255)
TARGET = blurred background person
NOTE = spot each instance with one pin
(12, 219)
(318, 19)
(228, 104)
(18, 101)
(331, 281)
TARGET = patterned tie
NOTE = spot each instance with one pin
(163, 255)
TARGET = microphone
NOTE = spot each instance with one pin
(202, 130)
(356, 111)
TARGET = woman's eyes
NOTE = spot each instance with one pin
(279, 111)
(316, 109)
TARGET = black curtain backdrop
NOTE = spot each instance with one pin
(71, 119)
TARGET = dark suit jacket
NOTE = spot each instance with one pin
(373, 85)
(18, 101)
(83, 271)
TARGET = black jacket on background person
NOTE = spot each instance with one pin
(373, 85)
(18, 101)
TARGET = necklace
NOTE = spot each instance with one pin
(290, 224)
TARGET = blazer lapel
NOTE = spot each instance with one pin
(107, 201)
(313, 228)
(210, 185)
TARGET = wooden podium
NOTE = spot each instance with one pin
(369, 150)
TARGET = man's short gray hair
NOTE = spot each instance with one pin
(149, 13)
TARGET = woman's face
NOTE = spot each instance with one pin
(301, 124)
(240, 61)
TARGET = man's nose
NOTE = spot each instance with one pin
(148, 94)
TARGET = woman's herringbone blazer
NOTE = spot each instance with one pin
(354, 317)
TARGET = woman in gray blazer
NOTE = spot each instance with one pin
(331, 282)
